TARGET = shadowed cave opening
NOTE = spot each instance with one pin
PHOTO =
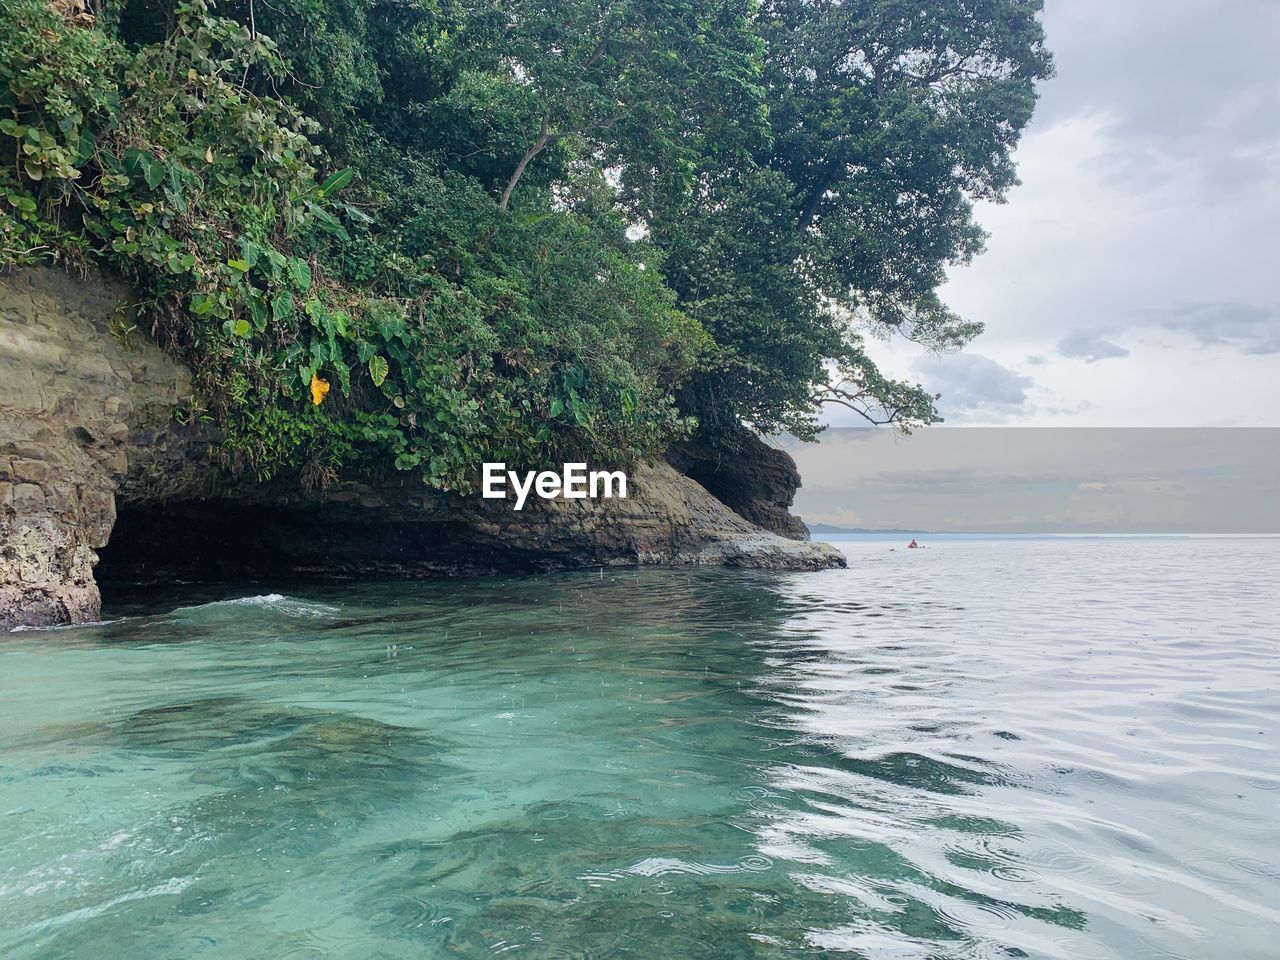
(156, 546)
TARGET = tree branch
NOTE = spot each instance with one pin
(856, 401)
(539, 144)
(819, 190)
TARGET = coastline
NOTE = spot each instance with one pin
(94, 460)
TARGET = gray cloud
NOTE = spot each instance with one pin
(1150, 198)
(1187, 85)
(1253, 329)
(1089, 347)
(974, 387)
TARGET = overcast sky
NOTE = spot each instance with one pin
(1134, 278)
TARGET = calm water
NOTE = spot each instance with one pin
(982, 750)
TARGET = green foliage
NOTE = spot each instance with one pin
(445, 342)
(887, 119)
(414, 237)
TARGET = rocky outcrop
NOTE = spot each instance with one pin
(87, 422)
(397, 529)
(753, 479)
(71, 393)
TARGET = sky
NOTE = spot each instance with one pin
(1133, 279)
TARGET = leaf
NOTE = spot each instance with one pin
(242, 327)
(175, 188)
(355, 213)
(258, 310)
(84, 146)
(557, 407)
(275, 262)
(336, 181)
(300, 273)
(344, 374)
(390, 326)
(378, 370)
(282, 307)
(152, 172)
(252, 252)
(241, 265)
(327, 221)
(319, 390)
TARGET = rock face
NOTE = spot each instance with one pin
(70, 394)
(753, 479)
(87, 420)
(400, 530)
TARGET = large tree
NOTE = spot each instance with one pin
(630, 79)
(888, 119)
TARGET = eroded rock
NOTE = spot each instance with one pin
(70, 393)
(753, 479)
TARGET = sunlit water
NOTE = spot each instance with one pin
(985, 749)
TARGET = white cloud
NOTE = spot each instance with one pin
(1252, 328)
(974, 387)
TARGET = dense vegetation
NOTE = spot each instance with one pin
(425, 233)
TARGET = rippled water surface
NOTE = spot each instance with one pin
(986, 749)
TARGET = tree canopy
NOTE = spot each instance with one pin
(420, 234)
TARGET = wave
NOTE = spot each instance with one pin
(273, 602)
(30, 628)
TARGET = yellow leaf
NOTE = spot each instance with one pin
(319, 390)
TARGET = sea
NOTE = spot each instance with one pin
(986, 748)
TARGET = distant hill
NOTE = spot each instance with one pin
(830, 528)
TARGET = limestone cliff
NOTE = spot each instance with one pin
(87, 420)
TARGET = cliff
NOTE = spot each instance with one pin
(72, 398)
(87, 423)
(753, 479)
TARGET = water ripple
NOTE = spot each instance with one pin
(1023, 749)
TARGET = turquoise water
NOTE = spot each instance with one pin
(982, 750)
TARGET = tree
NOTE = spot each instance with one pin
(888, 119)
(630, 78)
